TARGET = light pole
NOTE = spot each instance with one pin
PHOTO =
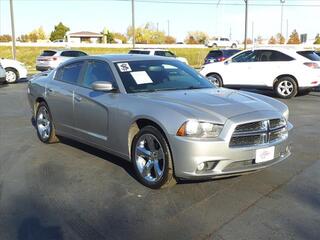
(246, 25)
(13, 31)
(133, 26)
(282, 2)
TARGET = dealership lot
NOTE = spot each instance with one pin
(72, 191)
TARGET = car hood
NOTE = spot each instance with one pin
(218, 104)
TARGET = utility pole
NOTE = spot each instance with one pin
(13, 31)
(168, 28)
(246, 25)
(133, 26)
(282, 2)
(287, 30)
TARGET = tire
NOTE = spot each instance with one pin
(44, 125)
(12, 75)
(214, 45)
(152, 164)
(286, 88)
(234, 45)
(215, 79)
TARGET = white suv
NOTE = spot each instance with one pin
(50, 59)
(158, 52)
(221, 42)
(283, 70)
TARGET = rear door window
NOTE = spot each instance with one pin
(70, 73)
(272, 56)
(73, 54)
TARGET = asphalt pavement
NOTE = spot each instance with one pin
(72, 191)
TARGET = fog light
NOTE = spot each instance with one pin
(201, 166)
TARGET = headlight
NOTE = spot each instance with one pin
(194, 128)
(286, 114)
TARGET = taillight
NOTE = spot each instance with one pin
(312, 64)
(221, 59)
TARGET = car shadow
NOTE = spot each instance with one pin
(100, 154)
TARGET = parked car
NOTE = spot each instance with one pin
(283, 70)
(15, 70)
(158, 52)
(221, 42)
(318, 53)
(309, 54)
(50, 59)
(2, 75)
(161, 115)
(219, 55)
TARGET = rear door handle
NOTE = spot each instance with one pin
(77, 98)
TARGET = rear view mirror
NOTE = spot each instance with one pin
(104, 86)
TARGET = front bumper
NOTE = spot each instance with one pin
(227, 161)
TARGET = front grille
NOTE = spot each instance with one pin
(258, 133)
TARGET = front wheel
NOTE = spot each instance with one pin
(286, 88)
(11, 75)
(215, 79)
(151, 158)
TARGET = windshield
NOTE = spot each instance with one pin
(159, 75)
(311, 55)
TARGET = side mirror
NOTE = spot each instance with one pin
(227, 62)
(102, 86)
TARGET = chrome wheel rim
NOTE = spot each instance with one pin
(43, 123)
(11, 76)
(214, 80)
(285, 88)
(149, 157)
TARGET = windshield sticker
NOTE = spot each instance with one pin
(124, 67)
(141, 77)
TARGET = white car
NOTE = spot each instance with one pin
(2, 75)
(50, 59)
(221, 42)
(15, 70)
(158, 52)
(283, 70)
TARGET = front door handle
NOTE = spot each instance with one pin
(49, 90)
(77, 98)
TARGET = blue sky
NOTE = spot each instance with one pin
(94, 15)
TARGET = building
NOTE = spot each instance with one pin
(84, 37)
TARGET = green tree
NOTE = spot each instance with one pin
(294, 38)
(272, 40)
(280, 39)
(317, 40)
(5, 38)
(196, 37)
(147, 34)
(169, 40)
(59, 32)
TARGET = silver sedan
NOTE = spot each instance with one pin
(161, 115)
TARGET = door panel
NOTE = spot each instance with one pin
(60, 100)
(91, 117)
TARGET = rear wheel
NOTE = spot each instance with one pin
(234, 45)
(215, 79)
(151, 158)
(44, 124)
(214, 45)
(286, 88)
(11, 75)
